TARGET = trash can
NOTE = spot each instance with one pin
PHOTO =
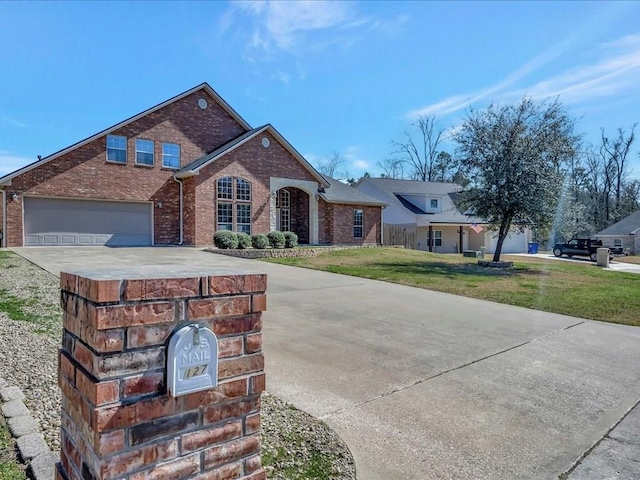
(533, 248)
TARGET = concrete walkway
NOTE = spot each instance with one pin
(422, 384)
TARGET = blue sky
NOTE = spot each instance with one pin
(330, 76)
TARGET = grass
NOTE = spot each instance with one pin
(635, 259)
(10, 469)
(580, 290)
(30, 304)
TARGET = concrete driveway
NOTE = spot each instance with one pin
(422, 384)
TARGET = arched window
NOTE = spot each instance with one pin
(233, 204)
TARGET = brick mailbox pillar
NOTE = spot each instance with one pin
(118, 419)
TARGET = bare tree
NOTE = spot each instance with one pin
(392, 167)
(614, 152)
(329, 166)
(421, 156)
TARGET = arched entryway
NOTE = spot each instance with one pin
(292, 212)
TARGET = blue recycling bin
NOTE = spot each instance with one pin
(533, 248)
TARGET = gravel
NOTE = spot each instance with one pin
(294, 444)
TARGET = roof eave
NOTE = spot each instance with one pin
(354, 202)
(203, 86)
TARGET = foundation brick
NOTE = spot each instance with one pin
(240, 366)
(254, 343)
(225, 472)
(192, 442)
(152, 289)
(231, 451)
(258, 302)
(252, 424)
(173, 470)
(145, 384)
(230, 347)
(226, 306)
(234, 284)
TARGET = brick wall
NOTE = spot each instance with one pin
(85, 173)
(254, 163)
(342, 217)
(117, 419)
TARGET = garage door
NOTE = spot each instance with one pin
(49, 221)
(516, 242)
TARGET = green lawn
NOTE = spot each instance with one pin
(10, 469)
(568, 288)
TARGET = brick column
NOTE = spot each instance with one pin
(118, 422)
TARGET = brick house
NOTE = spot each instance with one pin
(174, 175)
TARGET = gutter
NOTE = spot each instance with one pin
(181, 214)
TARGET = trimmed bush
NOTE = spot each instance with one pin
(276, 239)
(259, 240)
(225, 239)
(290, 240)
(244, 240)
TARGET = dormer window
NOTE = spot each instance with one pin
(434, 203)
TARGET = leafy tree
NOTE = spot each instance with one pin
(512, 157)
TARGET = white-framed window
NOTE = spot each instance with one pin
(171, 155)
(285, 220)
(225, 216)
(225, 188)
(285, 199)
(144, 152)
(434, 203)
(234, 204)
(243, 218)
(243, 190)
(617, 242)
(116, 149)
(437, 238)
(358, 223)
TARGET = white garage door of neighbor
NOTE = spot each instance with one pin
(54, 221)
(514, 243)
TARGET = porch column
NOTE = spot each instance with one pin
(461, 242)
(310, 188)
(430, 238)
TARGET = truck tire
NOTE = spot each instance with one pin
(557, 252)
(594, 257)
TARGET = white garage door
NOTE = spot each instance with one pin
(514, 243)
(53, 221)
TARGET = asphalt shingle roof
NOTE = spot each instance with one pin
(624, 227)
(338, 192)
(448, 192)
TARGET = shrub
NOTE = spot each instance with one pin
(276, 239)
(225, 239)
(244, 240)
(290, 240)
(259, 240)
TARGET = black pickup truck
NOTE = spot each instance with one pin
(584, 247)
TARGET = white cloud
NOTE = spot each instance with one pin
(10, 163)
(614, 72)
(301, 28)
(12, 122)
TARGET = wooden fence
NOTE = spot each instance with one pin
(399, 235)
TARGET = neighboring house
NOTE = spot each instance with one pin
(175, 174)
(625, 234)
(423, 215)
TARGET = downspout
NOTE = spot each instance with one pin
(382, 224)
(3, 240)
(181, 222)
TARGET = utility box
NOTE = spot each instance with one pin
(603, 257)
